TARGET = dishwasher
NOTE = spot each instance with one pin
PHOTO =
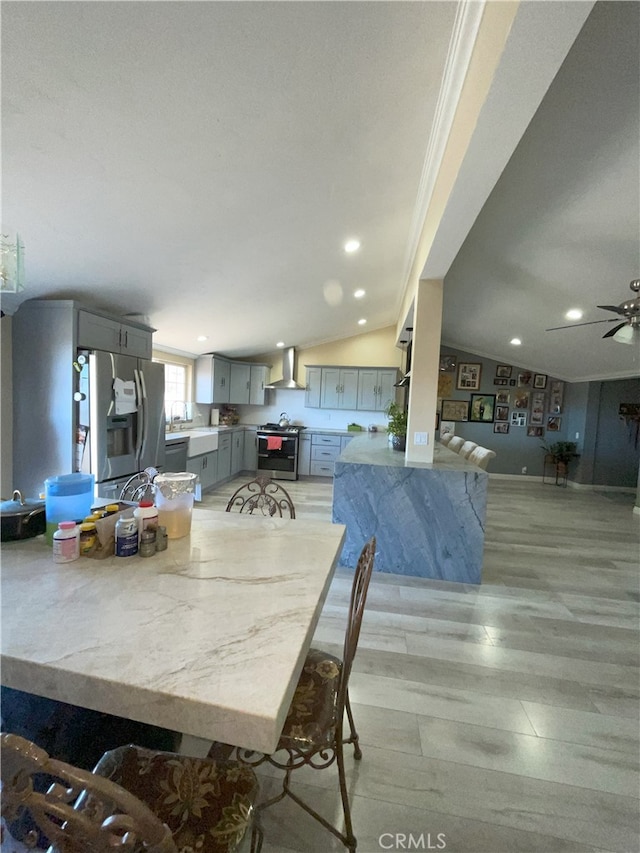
(176, 455)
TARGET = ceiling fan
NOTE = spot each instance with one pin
(626, 332)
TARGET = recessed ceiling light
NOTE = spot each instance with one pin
(574, 314)
(280, 344)
(202, 338)
(351, 246)
(362, 322)
(515, 341)
(359, 293)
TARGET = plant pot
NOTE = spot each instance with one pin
(399, 442)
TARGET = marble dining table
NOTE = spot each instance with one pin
(207, 638)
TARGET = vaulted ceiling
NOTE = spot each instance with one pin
(202, 164)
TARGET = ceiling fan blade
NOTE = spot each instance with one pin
(612, 332)
(572, 325)
(615, 308)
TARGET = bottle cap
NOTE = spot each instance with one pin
(88, 525)
(66, 525)
(145, 503)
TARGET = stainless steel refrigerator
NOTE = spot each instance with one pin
(120, 418)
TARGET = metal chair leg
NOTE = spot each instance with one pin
(354, 739)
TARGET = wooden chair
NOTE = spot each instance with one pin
(136, 800)
(262, 496)
(467, 448)
(456, 443)
(313, 732)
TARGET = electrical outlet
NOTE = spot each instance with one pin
(524, 469)
(577, 436)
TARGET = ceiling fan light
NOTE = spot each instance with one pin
(625, 335)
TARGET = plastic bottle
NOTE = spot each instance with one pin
(66, 542)
(126, 537)
(147, 516)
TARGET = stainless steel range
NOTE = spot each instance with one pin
(278, 451)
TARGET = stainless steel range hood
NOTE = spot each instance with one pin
(288, 372)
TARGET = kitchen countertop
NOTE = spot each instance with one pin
(206, 638)
(374, 449)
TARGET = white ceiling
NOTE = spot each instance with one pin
(203, 163)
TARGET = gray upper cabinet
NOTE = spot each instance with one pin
(104, 333)
(376, 389)
(339, 388)
(259, 377)
(240, 382)
(369, 389)
(219, 380)
(314, 384)
(213, 378)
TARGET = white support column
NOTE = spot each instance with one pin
(425, 367)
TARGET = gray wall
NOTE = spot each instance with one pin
(608, 455)
(6, 411)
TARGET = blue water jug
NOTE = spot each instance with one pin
(68, 497)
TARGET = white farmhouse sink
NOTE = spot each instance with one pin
(201, 441)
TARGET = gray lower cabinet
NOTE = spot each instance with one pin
(237, 451)
(304, 455)
(205, 466)
(224, 457)
(250, 451)
(325, 449)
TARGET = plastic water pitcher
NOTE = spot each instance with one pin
(68, 497)
(175, 494)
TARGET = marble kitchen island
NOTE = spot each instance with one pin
(428, 518)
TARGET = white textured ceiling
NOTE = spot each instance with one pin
(202, 164)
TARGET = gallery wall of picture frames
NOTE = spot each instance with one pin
(522, 399)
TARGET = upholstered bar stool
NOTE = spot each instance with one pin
(467, 448)
(446, 438)
(456, 443)
(481, 457)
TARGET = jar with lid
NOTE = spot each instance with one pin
(161, 538)
(66, 542)
(88, 536)
(148, 542)
(126, 534)
(111, 509)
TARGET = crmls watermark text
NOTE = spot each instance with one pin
(409, 841)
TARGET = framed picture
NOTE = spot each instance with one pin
(447, 428)
(482, 408)
(539, 380)
(469, 376)
(553, 424)
(455, 410)
(518, 419)
(501, 427)
(525, 379)
(512, 382)
(448, 363)
(502, 413)
(445, 385)
(503, 370)
(499, 381)
(535, 431)
(521, 399)
(537, 409)
(556, 395)
(502, 398)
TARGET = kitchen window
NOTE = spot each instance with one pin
(177, 385)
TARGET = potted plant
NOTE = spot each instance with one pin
(397, 426)
(561, 453)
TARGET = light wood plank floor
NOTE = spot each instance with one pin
(505, 716)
